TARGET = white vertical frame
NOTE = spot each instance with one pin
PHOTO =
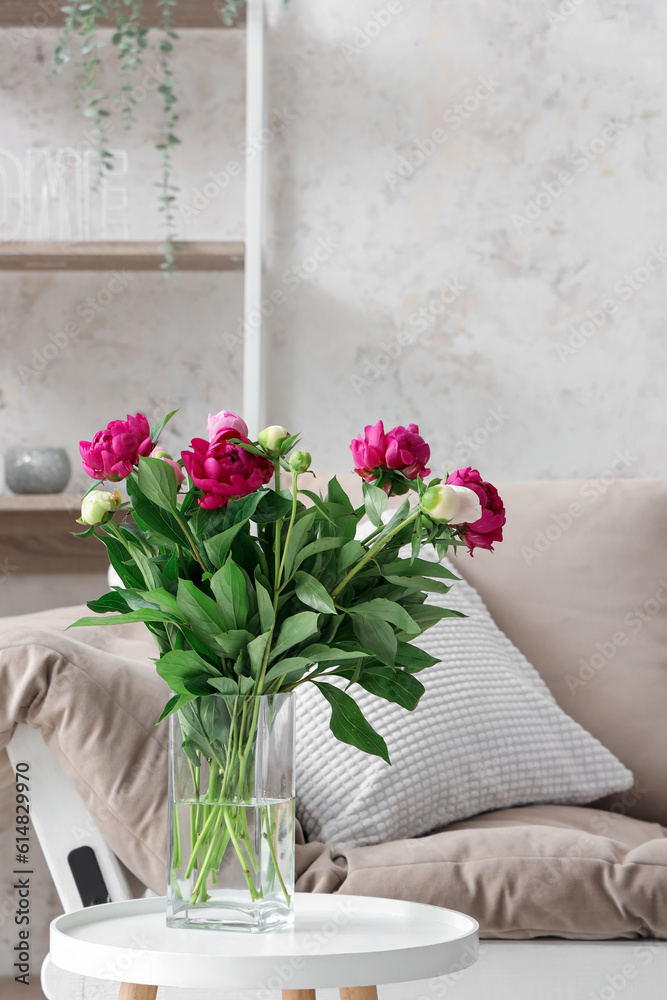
(254, 373)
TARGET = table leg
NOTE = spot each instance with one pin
(358, 993)
(131, 991)
(298, 994)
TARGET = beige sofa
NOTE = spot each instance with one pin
(580, 585)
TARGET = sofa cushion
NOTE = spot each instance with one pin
(96, 697)
(580, 586)
(487, 734)
(531, 871)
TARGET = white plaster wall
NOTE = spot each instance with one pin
(363, 105)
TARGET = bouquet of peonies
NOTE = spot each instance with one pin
(254, 589)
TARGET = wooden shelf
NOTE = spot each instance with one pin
(186, 14)
(90, 256)
(35, 537)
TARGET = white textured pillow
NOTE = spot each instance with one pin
(487, 734)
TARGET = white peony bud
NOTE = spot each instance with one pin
(453, 504)
(96, 505)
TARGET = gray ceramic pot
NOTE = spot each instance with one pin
(37, 470)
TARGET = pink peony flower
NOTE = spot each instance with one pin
(401, 449)
(489, 528)
(166, 457)
(224, 420)
(225, 471)
(114, 451)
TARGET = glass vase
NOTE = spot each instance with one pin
(231, 811)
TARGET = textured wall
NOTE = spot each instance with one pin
(428, 146)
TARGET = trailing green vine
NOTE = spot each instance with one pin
(83, 19)
(169, 138)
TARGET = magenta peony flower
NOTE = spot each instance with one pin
(114, 451)
(223, 421)
(225, 471)
(401, 449)
(489, 528)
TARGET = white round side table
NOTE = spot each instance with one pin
(349, 942)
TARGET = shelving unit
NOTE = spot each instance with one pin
(109, 256)
(35, 531)
(35, 537)
(213, 256)
(191, 14)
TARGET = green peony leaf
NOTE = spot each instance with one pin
(231, 643)
(420, 567)
(159, 426)
(267, 615)
(375, 502)
(351, 552)
(201, 612)
(297, 540)
(378, 636)
(155, 518)
(383, 610)
(292, 669)
(413, 658)
(113, 601)
(144, 615)
(224, 685)
(427, 615)
(311, 592)
(396, 686)
(256, 650)
(157, 482)
(336, 494)
(319, 545)
(348, 723)
(319, 653)
(419, 583)
(293, 631)
(176, 703)
(229, 587)
(271, 507)
(185, 671)
(219, 545)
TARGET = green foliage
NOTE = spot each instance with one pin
(83, 19)
(266, 594)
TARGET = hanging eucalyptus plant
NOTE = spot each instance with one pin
(83, 20)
